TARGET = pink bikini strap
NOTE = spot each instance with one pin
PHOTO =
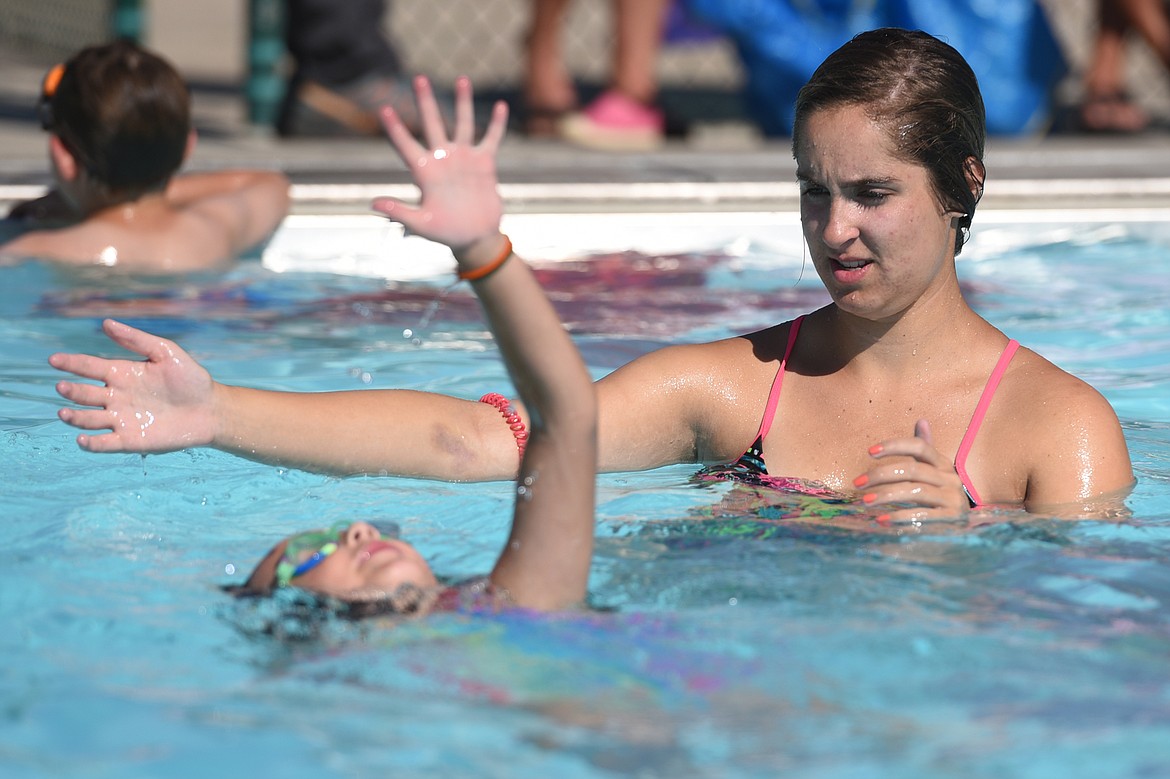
(977, 420)
(778, 382)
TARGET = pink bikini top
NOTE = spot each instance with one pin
(753, 458)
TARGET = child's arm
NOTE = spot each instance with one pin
(545, 563)
(247, 204)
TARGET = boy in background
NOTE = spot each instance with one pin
(119, 124)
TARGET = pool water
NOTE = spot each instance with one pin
(727, 641)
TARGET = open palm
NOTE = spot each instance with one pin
(160, 404)
(459, 201)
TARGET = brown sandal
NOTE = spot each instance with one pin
(1114, 112)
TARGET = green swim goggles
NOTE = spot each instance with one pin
(305, 551)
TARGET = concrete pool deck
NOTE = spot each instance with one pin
(719, 167)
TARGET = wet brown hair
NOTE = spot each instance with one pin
(926, 96)
(125, 114)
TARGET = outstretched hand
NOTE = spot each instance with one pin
(459, 203)
(160, 404)
(927, 481)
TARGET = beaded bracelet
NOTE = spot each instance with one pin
(515, 423)
(475, 274)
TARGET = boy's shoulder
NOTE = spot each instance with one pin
(52, 244)
(155, 243)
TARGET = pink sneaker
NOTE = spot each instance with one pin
(614, 122)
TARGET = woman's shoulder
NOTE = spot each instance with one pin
(1035, 380)
(760, 346)
(1048, 403)
(71, 245)
(1065, 429)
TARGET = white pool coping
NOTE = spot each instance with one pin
(1085, 191)
(371, 246)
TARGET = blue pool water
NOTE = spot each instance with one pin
(728, 643)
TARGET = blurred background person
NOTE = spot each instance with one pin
(345, 69)
(1107, 105)
(119, 125)
(625, 116)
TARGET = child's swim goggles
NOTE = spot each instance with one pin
(305, 551)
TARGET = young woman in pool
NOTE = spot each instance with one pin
(545, 563)
(897, 390)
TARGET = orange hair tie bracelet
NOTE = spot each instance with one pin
(511, 416)
(475, 274)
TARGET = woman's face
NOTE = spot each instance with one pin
(878, 236)
(352, 563)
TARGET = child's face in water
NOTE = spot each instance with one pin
(352, 563)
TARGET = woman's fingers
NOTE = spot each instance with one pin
(918, 448)
(917, 493)
(152, 347)
(87, 419)
(138, 341)
(84, 394)
(84, 366)
(904, 471)
(911, 471)
(106, 443)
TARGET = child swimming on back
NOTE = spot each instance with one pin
(119, 124)
(545, 562)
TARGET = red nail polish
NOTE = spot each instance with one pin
(884, 519)
(869, 497)
(861, 481)
(875, 449)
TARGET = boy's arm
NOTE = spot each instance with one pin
(545, 562)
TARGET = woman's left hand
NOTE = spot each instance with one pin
(927, 480)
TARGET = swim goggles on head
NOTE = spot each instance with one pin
(48, 90)
(48, 118)
(305, 551)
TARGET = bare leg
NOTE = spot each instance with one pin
(1149, 18)
(639, 26)
(624, 117)
(548, 87)
(1106, 107)
(1106, 72)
